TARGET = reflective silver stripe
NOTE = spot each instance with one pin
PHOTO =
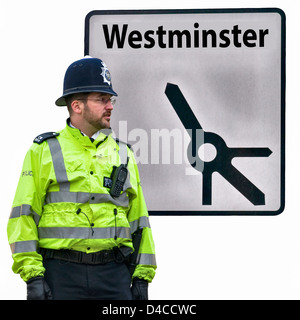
(141, 222)
(124, 160)
(65, 195)
(123, 152)
(83, 233)
(26, 210)
(146, 258)
(84, 197)
(23, 246)
(59, 165)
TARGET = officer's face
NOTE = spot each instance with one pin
(97, 110)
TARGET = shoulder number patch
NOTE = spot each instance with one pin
(44, 136)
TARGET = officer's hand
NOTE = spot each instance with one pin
(139, 289)
(38, 289)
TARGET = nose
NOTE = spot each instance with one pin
(109, 105)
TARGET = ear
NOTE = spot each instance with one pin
(76, 106)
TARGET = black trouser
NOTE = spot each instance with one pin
(77, 281)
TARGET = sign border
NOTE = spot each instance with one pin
(283, 97)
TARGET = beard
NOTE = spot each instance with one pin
(97, 121)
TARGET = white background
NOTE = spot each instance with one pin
(198, 257)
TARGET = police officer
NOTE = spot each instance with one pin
(79, 203)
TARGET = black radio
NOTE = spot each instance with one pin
(118, 178)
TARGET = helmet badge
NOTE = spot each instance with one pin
(105, 74)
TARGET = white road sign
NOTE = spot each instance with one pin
(201, 100)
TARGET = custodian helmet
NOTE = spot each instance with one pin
(86, 75)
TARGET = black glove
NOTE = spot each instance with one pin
(38, 289)
(139, 289)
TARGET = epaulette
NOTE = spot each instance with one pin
(118, 140)
(45, 136)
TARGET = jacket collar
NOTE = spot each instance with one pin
(97, 137)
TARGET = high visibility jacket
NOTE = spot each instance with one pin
(63, 202)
